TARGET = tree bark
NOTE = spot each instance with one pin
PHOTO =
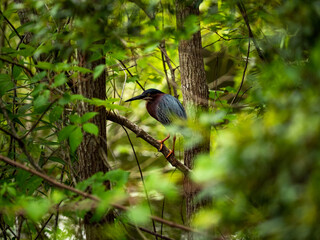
(194, 90)
(92, 150)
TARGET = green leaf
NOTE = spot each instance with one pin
(91, 128)
(75, 139)
(38, 89)
(139, 214)
(107, 103)
(77, 97)
(87, 116)
(56, 159)
(26, 50)
(42, 101)
(65, 132)
(81, 69)
(55, 113)
(5, 83)
(16, 71)
(38, 77)
(36, 209)
(75, 118)
(98, 70)
(59, 80)
(45, 65)
(133, 78)
(118, 176)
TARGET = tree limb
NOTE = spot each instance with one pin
(146, 137)
(57, 184)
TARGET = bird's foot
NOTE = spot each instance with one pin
(162, 141)
(170, 153)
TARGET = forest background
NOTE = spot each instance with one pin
(77, 162)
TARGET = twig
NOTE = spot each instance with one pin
(142, 178)
(43, 227)
(124, 83)
(146, 137)
(243, 75)
(39, 119)
(55, 183)
(172, 70)
(244, 14)
(130, 74)
(11, 25)
(23, 147)
(165, 72)
(155, 234)
(18, 64)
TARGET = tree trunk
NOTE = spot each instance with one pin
(92, 150)
(194, 90)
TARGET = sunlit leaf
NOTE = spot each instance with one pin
(91, 128)
(75, 139)
(87, 116)
(59, 80)
(98, 70)
(65, 132)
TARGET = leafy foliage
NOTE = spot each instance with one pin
(260, 178)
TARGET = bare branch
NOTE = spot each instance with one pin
(146, 137)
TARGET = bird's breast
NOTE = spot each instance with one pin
(152, 108)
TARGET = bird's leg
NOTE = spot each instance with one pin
(172, 151)
(162, 141)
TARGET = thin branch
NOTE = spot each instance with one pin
(43, 227)
(149, 139)
(11, 25)
(39, 119)
(122, 63)
(166, 72)
(23, 147)
(124, 83)
(155, 234)
(5, 113)
(244, 14)
(172, 70)
(55, 183)
(17, 64)
(243, 75)
(4, 233)
(142, 178)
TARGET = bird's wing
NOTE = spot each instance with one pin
(169, 108)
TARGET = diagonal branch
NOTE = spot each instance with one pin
(146, 137)
(244, 14)
(19, 65)
(57, 184)
(39, 119)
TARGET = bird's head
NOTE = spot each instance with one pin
(148, 95)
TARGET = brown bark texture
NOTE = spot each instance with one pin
(195, 92)
(92, 150)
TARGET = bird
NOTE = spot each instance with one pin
(164, 108)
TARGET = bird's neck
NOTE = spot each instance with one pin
(151, 106)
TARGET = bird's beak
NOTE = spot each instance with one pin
(136, 98)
